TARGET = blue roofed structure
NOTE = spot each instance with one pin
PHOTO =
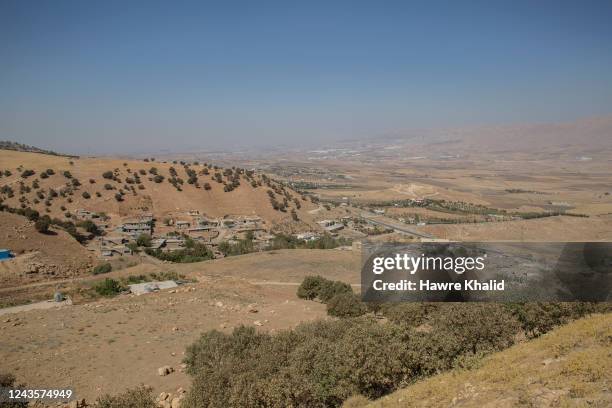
(5, 254)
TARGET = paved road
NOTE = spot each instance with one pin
(395, 225)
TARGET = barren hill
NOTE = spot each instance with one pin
(39, 256)
(57, 185)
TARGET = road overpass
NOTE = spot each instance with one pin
(394, 225)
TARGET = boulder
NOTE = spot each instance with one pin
(165, 370)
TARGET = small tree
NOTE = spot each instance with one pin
(108, 288)
(346, 305)
(143, 240)
(310, 287)
(42, 224)
(27, 173)
(86, 195)
(102, 268)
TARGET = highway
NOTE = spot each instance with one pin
(395, 225)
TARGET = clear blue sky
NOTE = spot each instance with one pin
(112, 76)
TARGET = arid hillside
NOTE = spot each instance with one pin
(56, 185)
(113, 344)
(39, 256)
(570, 366)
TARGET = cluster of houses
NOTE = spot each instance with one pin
(171, 234)
(331, 226)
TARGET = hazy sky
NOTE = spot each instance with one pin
(106, 76)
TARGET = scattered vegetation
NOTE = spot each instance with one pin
(102, 268)
(282, 241)
(143, 240)
(141, 397)
(108, 287)
(193, 252)
(7, 381)
(42, 224)
(322, 363)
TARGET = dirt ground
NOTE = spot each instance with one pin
(39, 256)
(114, 344)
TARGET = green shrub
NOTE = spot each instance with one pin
(108, 288)
(329, 289)
(476, 327)
(310, 287)
(409, 313)
(540, 317)
(7, 381)
(143, 240)
(316, 365)
(42, 224)
(196, 253)
(323, 289)
(90, 227)
(243, 246)
(346, 305)
(141, 397)
(27, 173)
(102, 268)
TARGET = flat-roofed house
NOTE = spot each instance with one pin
(137, 227)
(182, 224)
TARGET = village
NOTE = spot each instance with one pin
(174, 231)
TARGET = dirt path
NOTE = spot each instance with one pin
(49, 304)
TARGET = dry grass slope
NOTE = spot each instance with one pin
(570, 366)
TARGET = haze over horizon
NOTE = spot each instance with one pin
(96, 78)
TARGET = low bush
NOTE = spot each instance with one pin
(42, 224)
(143, 240)
(329, 289)
(318, 364)
(27, 173)
(540, 317)
(108, 288)
(346, 304)
(243, 246)
(141, 397)
(7, 381)
(196, 253)
(102, 268)
(323, 289)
